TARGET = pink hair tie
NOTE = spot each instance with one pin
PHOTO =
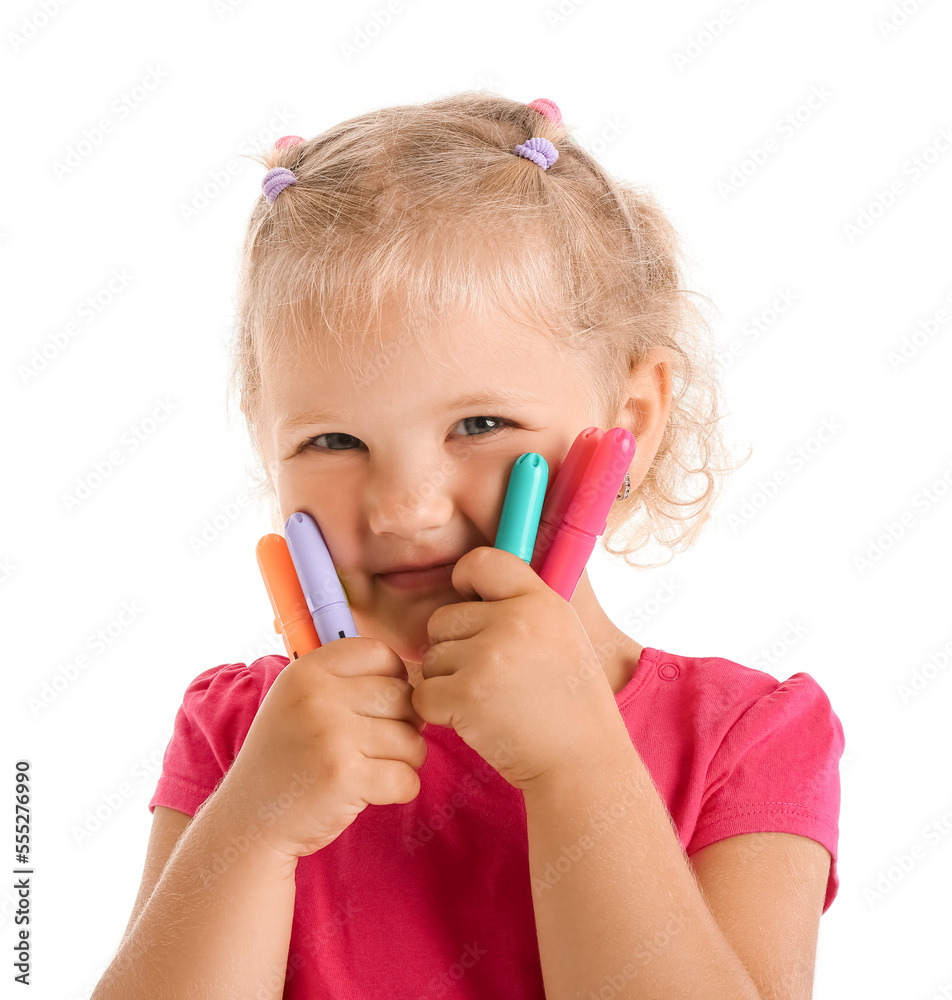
(538, 150)
(287, 140)
(548, 108)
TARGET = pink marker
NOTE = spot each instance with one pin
(586, 516)
(563, 490)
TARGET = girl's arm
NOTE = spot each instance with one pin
(218, 922)
(617, 908)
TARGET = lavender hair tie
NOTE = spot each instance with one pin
(538, 150)
(275, 181)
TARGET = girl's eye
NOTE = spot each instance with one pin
(346, 441)
(312, 443)
(500, 423)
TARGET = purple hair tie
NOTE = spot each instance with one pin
(538, 150)
(275, 181)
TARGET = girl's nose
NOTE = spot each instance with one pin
(409, 501)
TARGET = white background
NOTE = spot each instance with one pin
(221, 79)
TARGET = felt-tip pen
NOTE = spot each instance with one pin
(292, 617)
(519, 520)
(315, 570)
(562, 491)
(586, 516)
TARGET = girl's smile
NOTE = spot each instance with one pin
(431, 578)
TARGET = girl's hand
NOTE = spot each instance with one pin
(335, 733)
(514, 674)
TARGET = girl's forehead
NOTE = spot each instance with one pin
(491, 369)
(457, 345)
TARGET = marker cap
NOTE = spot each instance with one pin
(318, 577)
(563, 490)
(292, 618)
(601, 482)
(519, 521)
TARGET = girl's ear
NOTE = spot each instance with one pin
(645, 412)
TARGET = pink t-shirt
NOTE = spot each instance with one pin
(432, 897)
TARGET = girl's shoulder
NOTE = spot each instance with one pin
(221, 701)
(235, 681)
(210, 726)
(743, 752)
(713, 674)
(731, 701)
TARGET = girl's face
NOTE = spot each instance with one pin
(410, 462)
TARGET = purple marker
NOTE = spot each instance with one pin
(322, 590)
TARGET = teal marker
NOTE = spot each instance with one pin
(523, 506)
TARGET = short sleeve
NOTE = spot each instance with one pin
(777, 770)
(216, 713)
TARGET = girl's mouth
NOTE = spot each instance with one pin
(420, 579)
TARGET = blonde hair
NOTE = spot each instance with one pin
(425, 205)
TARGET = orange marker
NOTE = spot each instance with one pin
(292, 617)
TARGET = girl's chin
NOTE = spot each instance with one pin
(409, 647)
(400, 619)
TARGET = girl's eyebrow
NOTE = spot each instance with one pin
(484, 397)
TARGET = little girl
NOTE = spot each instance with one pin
(492, 792)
